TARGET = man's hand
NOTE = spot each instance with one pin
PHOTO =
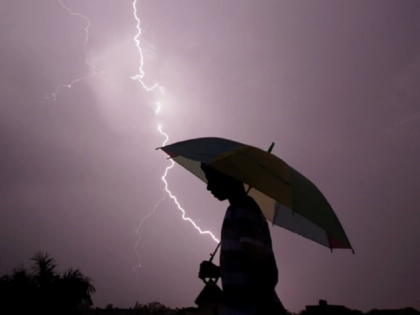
(209, 270)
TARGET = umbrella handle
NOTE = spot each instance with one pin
(214, 253)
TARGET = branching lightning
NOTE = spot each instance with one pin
(159, 106)
(139, 77)
(93, 72)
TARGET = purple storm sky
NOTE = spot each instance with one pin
(335, 84)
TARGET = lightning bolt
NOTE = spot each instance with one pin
(93, 72)
(139, 77)
(174, 198)
(138, 232)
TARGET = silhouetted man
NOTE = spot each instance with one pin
(247, 264)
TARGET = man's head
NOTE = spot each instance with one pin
(221, 185)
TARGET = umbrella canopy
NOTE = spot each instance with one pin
(286, 197)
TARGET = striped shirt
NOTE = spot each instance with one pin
(248, 266)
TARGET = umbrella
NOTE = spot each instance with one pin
(286, 197)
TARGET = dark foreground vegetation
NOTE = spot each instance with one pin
(156, 308)
(42, 290)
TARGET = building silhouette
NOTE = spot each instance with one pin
(323, 308)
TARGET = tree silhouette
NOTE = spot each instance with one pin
(75, 288)
(44, 290)
(46, 280)
(17, 291)
(154, 308)
(44, 268)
